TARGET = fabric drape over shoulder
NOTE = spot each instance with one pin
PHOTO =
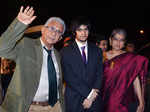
(119, 74)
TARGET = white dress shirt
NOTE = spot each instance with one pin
(42, 91)
(81, 45)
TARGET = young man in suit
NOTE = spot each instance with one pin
(36, 85)
(82, 68)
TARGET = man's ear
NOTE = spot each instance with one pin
(42, 29)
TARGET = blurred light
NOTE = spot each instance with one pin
(141, 31)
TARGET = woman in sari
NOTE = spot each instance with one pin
(124, 76)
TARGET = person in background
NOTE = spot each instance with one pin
(1, 91)
(67, 41)
(124, 77)
(36, 85)
(7, 70)
(102, 42)
(82, 68)
(130, 46)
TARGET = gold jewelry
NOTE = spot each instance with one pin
(112, 64)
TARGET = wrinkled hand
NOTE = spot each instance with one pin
(96, 90)
(26, 16)
(87, 103)
(140, 108)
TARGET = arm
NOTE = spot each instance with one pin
(15, 32)
(94, 93)
(97, 85)
(138, 91)
(73, 80)
(99, 72)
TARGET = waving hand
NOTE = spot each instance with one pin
(26, 16)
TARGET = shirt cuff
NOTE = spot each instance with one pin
(89, 96)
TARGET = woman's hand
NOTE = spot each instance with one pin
(140, 107)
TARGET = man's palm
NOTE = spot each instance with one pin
(26, 16)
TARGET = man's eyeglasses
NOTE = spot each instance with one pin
(53, 29)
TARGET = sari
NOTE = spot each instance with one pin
(119, 75)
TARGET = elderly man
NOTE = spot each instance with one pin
(36, 85)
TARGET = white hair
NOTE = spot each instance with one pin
(58, 19)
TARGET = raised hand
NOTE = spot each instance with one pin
(26, 16)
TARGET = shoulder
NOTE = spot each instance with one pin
(136, 55)
(30, 39)
(26, 41)
(66, 50)
(144, 58)
(93, 49)
(139, 58)
(90, 44)
(57, 53)
(93, 46)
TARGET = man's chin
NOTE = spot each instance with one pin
(51, 41)
(82, 40)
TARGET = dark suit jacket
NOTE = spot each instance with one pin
(27, 53)
(81, 78)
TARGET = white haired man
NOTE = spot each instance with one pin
(36, 85)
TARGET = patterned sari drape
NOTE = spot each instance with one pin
(119, 75)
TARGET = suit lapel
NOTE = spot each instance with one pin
(60, 86)
(89, 56)
(57, 59)
(77, 53)
(59, 66)
(39, 56)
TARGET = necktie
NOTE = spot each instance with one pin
(52, 79)
(83, 54)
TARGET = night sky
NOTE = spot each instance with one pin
(104, 16)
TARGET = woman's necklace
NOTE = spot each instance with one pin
(111, 55)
